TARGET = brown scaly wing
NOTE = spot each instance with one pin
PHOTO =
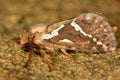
(89, 32)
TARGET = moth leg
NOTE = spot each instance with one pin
(29, 57)
(65, 53)
(45, 58)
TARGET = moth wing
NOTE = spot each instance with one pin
(89, 32)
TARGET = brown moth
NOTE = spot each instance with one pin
(89, 32)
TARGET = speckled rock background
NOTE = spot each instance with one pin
(17, 15)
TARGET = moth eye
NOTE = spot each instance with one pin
(26, 47)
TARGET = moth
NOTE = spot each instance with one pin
(88, 32)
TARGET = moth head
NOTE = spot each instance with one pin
(31, 36)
